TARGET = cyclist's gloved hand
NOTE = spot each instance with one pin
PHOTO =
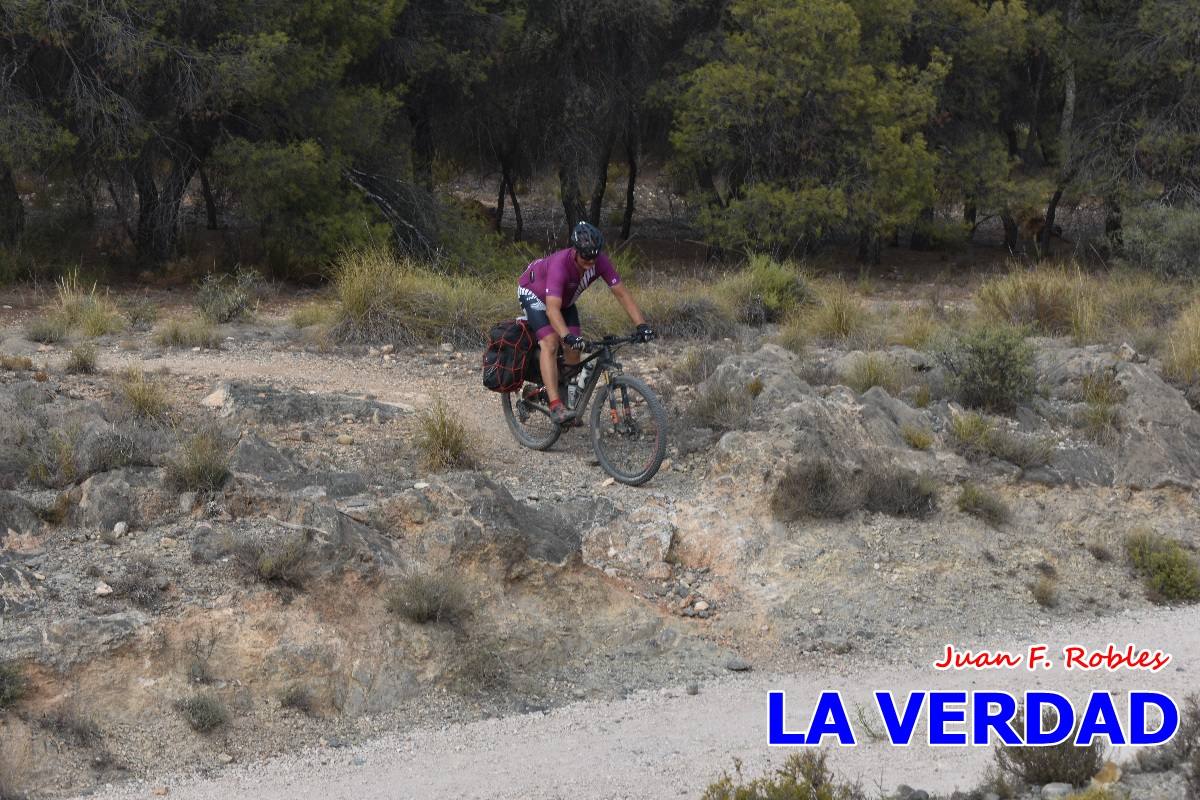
(645, 333)
(573, 341)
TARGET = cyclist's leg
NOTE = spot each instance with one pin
(548, 340)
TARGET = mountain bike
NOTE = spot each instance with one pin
(627, 423)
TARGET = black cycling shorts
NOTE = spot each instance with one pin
(535, 313)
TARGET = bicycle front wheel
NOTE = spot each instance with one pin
(629, 430)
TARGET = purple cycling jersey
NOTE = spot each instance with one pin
(557, 276)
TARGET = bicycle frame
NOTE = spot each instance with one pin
(606, 365)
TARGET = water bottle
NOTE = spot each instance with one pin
(582, 378)
(572, 393)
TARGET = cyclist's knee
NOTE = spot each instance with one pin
(550, 343)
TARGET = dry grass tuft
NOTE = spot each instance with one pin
(141, 396)
(188, 332)
(424, 598)
(979, 502)
(443, 440)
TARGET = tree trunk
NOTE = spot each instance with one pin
(631, 157)
(568, 186)
(500, 199)
(870, 247)
(601, 184)
(1048, 230)
(210, 202)
(12, 212)
(158, 210)
(512, 195)
(1031, 154)
(422, 144)
(971, 217)
(1112, 223)
(1012, 232)
(922, 238)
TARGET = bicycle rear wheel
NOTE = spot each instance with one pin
(531, 427)
(629, 430)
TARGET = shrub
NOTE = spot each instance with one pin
(1051, 301)
(721, 406)
(888, 489)
(82, 360)
(389, 299)
(1182, 360)
(225, 298)
(914, 328)
(188, 332)
(67, 723)
(839, 316)
(12, 684)
(204, 712)
(1059, 763)
(804, 776)
(975, 436)
(141, 313)
(1045, 592)
(81, 307)
(424, 598)
(312, 314)
(916, 437)
(1163, 239)
(15, 363)
(814, 489)
(992, 367)
(1100, 552)
(978, 502)
(298, 697)
(765, 291)
(138, 583)
(201, 465)
(697, 365)
(443, 440)
(279, 560)
(1169, 573)
(55, 460)
(48, 330)
(141, 396)
(875, 370)
(793, 334)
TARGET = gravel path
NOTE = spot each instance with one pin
(672, 744)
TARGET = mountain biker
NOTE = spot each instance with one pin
(547, 291)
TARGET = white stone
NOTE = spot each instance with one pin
(103, 589)
(120, 529)
(701, 606)
(216, 399)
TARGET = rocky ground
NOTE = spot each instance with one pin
(124, 595)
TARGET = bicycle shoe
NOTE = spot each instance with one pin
(561, 415)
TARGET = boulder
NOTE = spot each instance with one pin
(16, 515)
(638, 542)
(267, 404)
(105, 500)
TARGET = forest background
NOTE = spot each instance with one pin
(297, 129)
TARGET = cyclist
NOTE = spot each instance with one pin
(548, 290)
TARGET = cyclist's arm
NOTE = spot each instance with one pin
(627, 302)
(555, 315)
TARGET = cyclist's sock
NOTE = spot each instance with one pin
(555, 404)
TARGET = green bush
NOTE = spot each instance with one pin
(697, 364)
(975, 436)
(443, 440)
(225, 298)
(765, 291)
(804, 776)
(50, 329)
(279, 560)
(82, 360)
(817, 489)
(888, 489)
(979, 502)
(721, 406)
(1059, 763)
(201, 465)
(188, 332)
(204, 712)
(386, 299)
(424, 598)
(1169, 573)
(12, 684)
(1163, 239)
(992, 367)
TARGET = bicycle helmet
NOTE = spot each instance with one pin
(587, 240)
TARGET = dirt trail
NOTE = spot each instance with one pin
(671, 744)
